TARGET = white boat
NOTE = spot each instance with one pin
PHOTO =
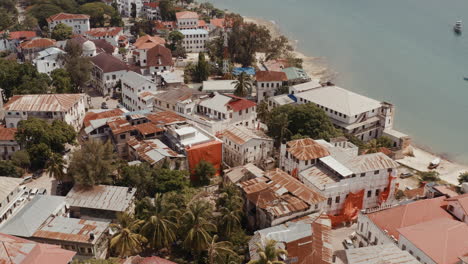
(434, 163)
(458, 27)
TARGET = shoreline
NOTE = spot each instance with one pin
(449, 168)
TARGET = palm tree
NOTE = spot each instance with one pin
(230, 206)
(126, 241)
(218, 251)
(55, 166)
(280, 123)
(161, 223)
(269, 254)
(197, 226)
(263, 113)
(229, 220)
(243, 85)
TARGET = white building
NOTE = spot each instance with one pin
(125, 7)
(219, 86)
(137, 92)
(107, 72)
(8, 143)
(78, 22)
(387, 253)
(337, 170)
(69, 108)
(14, 39)
(152, 11)
(268, 83)
(49, 60)
(109, 34)
(187, 20)
(10, 192)
(458, 206)
(194, 40)
(356, 114)
(151, 55)
(244, 145)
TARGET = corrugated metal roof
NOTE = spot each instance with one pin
(241, 134)
(103, 197)
(336, 166)
(8, 185)
(43, 102)
(306, 149)
(387, 253)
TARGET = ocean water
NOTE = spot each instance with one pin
(400, 51)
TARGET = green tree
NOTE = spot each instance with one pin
(197, 227)
(243, 85)
(98, 11)
(218, 251)
(79, 69)
(277, 47)
(7, 168)
(245, 41)
(62, 32)
(16, 78)
(269, 254)
(204, 172)
(263, 113)
(167, 10)
(6, 19)
(126, 240)
(42, 11)
(92, 164)
(304, 119)
(55, 166)
(39, 154)
(21, 159)
(61, 81)
(202, 69)
(170, 180)
(463, 177)
(175, 44)
(230, 206)
(430, 176)
(140, 176)
(160, 223)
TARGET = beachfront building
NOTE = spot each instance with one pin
(109, 34)
(14, 39)
(100, 202)
(151, 11)
(8, 143)
(219, 86)
(10, 192)
(194, 40)
(69, 108)
(78, 22)
(137, 92)
(458, 206)
(187, 20)
(296, 75)
(355, 114)
(276, 198)
(244, 145)
(48, 60)
(107, 72)
(269, 83)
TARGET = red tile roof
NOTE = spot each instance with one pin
(148, 128)
(103, 45)
(186, 15)
(108, 63)
(271, 76)
(104, 32)
(30, 252)
(218, 22)
(21, 34)
(238, 104)
(409, 214)
(152, 4)
(165, 25)
(443, 240)
(306, 149)
(38, 43)
(100, 115)
(148, 42)
(159, 56)
(7, 133)
(147, 260)
(201, 23)
(64, 16)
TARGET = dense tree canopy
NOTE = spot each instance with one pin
(61, 81)
(7, 168)
(42, 11)
(62, 32)
(304, 119)
(98, 11)
(204, 172)
(16, 78)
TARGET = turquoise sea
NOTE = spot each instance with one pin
(400, 51)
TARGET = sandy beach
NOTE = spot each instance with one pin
(316, 67)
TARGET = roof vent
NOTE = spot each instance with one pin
(91, 236)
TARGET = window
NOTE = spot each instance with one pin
(376, 172)
(390, 170)
(369, 235)
(122, 136)
(418, 258)
(369, 193)
(403, 247)
(363, 174)
(329, 202)
(411, 252)
(376, 241)
(377, 192)
(337, 199)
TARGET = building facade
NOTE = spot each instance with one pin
(269, 83)
(137, 92)
(8, 143)
(194, 40)
(78, 22)
(187, 20)
(107, 72)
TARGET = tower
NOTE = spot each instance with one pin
(226, 53)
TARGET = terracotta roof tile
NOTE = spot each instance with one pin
(186, 15)
(104, 32)
(148, 42)
(462, 200)
(148, 128)
(238, 104)
(7, 133)
(95, 116)
(38, 43)
(64, 16)
(21, 34)
(165, 118)
(152, 4)
(270, 76)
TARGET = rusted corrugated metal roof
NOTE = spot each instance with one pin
(306, 149)
(241, 134)
(43, 102)
(103, 197)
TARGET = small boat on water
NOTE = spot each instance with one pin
(458, 27)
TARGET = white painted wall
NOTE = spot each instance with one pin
(455, 208)
(79, 26)
(406, 245)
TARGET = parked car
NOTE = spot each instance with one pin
(33, 191)
(348, 244)
(27, 179)
(406, 175)
(42, 191)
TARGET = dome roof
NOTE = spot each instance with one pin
(89, 46)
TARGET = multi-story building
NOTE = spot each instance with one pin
(78, 22)
(69, 108)
(107, 72)
(458, 206)
(268, 83)
(152, 11)
(337, 172)
(151, 55)
(95, 122)
(109, 34)
(244, 145)
(14, 39)
(8, 143)
(127, 7)
(10, 192)
(29, 50)
(49, 60)
(387, 253)
(194, 39)
(187, 20)
(137, 92)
